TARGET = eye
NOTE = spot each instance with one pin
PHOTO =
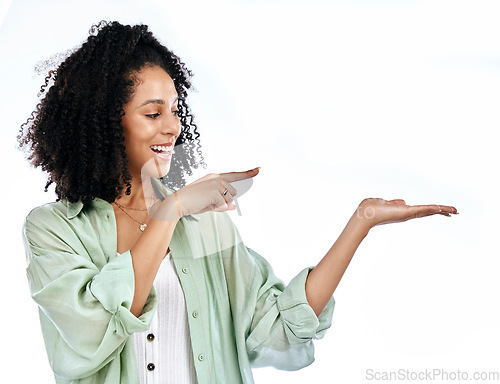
(176, 113)
(153, 115)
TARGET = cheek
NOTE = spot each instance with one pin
(136, 131)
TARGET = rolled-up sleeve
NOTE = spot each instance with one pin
(284, 324)
(84, 310)
(302, 321)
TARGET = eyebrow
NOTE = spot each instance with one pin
(156, 101)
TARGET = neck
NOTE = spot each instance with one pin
(136, 197)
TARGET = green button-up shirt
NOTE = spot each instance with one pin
(240, 314)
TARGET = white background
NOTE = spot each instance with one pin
(336, 101)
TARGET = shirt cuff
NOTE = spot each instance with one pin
(114, 288)
(297, 313)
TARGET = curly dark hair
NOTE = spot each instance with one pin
(75, 133)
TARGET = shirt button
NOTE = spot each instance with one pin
(150, 337)
(195, 314)
(107, 217)
(151, 367)
(201, 357)
(184, 270)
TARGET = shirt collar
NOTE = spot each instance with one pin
(161, 190)
(74, 209)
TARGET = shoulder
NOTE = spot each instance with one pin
(46, 212)
(49, 223)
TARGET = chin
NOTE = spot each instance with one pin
(155, 167)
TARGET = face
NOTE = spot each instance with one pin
(151, 123)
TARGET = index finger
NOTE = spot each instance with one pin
(235, 176)
(425, 210)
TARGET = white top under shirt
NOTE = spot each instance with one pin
(167, 356)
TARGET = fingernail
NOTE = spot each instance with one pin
(256, 168)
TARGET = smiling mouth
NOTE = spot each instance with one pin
(162, 149)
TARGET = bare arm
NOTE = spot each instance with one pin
(149, 251)
(324, 278)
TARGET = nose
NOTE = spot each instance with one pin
(171, 126)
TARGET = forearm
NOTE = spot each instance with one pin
(149, 250)
(325, 277)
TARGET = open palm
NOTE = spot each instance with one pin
(379, 211)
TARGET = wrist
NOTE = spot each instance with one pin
(359, 225)
(168, 210)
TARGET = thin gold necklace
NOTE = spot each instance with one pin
(142, 225)
(135, 209)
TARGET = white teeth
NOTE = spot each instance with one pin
(164, 148)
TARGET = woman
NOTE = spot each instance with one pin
(136, 282)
